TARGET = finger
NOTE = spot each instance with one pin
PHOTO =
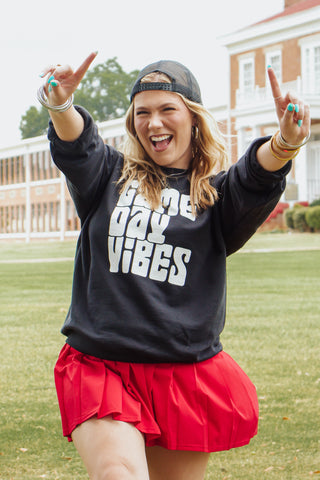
(297, 107)
(48, 69)
(304, 119)
(56, 70)
(81, 71)
(288, 115)
(53, 83)
(275, 87)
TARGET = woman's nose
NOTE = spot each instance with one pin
(155, 121)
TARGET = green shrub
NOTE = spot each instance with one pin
(313, 217)
(315, 202)
(288, 215)
(299, 219)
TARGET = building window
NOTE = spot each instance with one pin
(274, 60)
(311, 69)
(246, 76)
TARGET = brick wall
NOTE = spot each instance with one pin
(289, 3)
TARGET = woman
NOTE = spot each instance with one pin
(144, 387)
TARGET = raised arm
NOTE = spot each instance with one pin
(294, 123)
(61, 83)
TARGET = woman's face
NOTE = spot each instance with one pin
(163, 125)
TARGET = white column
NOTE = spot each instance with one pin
(27, 158)
(301, 174)
(62, 207)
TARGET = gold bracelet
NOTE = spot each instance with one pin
(278, 140)
(273, 153)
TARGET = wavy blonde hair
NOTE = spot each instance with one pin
(209, 157)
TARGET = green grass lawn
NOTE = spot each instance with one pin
(272, 331)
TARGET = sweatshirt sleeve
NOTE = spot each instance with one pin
(86, 163)
(247, 195)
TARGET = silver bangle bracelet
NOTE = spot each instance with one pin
(54, 108)
(288, 145)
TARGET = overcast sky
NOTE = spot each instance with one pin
(36, 33)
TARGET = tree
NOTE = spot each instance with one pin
(34, 122)
(104, 92)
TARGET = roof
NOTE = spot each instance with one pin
(297, 7)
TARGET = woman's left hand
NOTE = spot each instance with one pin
(293, 114)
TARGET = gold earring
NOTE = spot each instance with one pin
(195, 132)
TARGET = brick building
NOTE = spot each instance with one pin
(34, 201)
(290, 43)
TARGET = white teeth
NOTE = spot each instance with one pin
(160, 138)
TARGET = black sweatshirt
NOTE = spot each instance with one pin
(150, 286)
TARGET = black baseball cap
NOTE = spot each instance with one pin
(183, 81)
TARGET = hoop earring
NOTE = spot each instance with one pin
(195, 132)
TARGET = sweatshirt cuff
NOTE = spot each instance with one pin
(257, 170)
(81, 143)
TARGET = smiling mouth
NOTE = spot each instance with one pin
(161, 142)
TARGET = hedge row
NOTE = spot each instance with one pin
(304, 218)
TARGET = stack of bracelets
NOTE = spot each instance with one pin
(54, 108)
(278, 145)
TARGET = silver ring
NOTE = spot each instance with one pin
(55, 108)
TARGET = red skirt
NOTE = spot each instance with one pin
(207, 406)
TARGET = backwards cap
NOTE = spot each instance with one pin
(183, 81)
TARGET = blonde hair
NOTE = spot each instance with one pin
(209, 157)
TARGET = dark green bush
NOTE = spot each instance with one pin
(313, 217)
(315, 202)
(299, 219)
(288, 215)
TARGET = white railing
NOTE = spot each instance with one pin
(263, 95)
(32, 206)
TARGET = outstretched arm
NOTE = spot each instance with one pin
(61, 83)
(294, 123)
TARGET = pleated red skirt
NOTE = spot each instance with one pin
(207, 406)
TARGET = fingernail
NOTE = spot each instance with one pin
(269, 66)
(50, 78)
(296, 107)
(290, 107)
(54, 83)
(41, 75)
(50, 88)
(299, 123)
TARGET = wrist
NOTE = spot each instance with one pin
(280, 151)
(54, 108)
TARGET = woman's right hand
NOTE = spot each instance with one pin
(62, 81)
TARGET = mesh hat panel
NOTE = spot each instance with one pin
(183, 81)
